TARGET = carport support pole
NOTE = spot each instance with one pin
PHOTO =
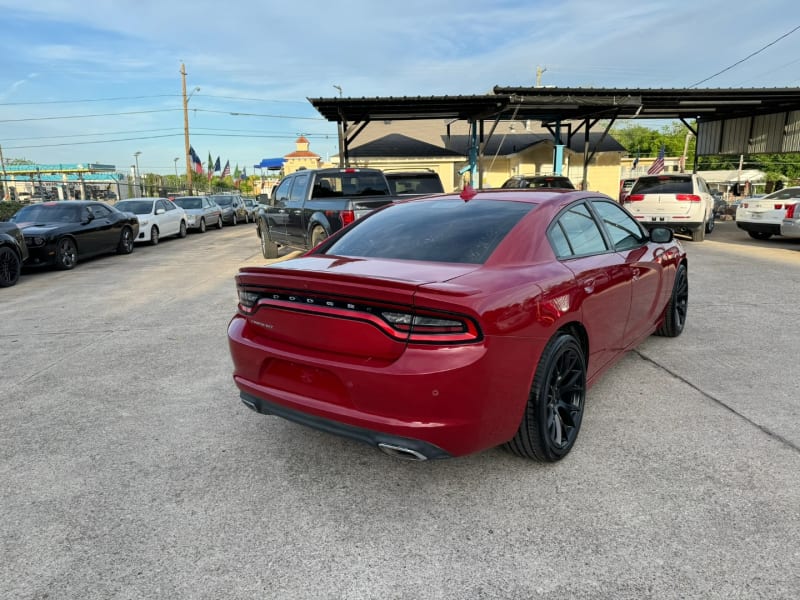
(558, 151)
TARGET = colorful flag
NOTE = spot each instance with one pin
(244, 173)
(236, 172)
(210, 166)
(198, 165)
(658, 165)
(216, 166)
(227, 170)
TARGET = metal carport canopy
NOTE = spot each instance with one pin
(552, 106)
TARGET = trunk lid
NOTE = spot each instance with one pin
(334, 305)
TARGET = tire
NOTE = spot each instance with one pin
(125, 245)
(710, 224)
(554, 411)
(677, 307)
(220, 223)
(234, 220)
(202, 227)
(182, 231)
(699, 234)
(268, 248)
(66, 254)
(317, 235)
(10, 266)
(154, 236)
(759, 235)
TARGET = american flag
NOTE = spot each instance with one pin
(658, 165)
(227, 170)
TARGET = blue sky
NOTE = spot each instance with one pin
(67, 60)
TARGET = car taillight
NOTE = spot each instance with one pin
(688, 197)
(778, 206)
(348, 216)
(635, 198)
(791, 210)
(432, 328)
(413, 326)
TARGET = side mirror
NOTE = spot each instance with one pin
(661, 235)
(160, 211)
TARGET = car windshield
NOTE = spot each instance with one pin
(48, 213)
(223, 201)
(414, 184)
(446, 230)
(188, 203)
(663, 185)
(139, 207)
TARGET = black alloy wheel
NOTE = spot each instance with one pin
(154, 235)
(125, 245)
(10, 267)
(66, 254)
(677, 307)
(554, 411)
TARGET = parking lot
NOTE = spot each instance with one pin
(131, 469)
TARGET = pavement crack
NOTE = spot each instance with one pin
(766, 430)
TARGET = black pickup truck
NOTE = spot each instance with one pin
(309, 205)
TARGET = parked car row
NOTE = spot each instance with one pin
(60, 233)
(777, 213)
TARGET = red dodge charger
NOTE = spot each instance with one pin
(451, 324)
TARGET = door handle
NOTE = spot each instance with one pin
(588, 285)
(636, 273)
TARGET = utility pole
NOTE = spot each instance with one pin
(6, 195)
(186, 131)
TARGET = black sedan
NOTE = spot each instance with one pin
(59, 233)
(12, 253)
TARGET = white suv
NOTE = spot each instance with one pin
(680, 201)
(762, 217)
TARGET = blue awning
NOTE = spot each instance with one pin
(270, 163)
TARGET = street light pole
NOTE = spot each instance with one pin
(138, 174)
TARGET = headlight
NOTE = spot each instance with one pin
(190, 219)
(143, 221)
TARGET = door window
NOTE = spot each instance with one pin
(623, 231)
(577, 227)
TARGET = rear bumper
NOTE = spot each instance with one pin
(424, 449)
(758, 227)
(790, 229)
(440, 401)
(674, 224)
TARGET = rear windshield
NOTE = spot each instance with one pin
(415, 184)
(349, 183)
(139, 207)
(784, 194)
(433, 230)
(539, 182)
(223, 200)
(663, 185)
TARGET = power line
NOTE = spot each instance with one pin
(747, 57)
(242, 114)
(133, 112)
(88, 100)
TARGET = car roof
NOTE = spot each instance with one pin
(541, 196)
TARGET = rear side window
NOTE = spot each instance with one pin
(433, 230)
(663, 185)
(576, 233)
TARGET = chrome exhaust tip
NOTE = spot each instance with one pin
(249, 404)
(401, 453)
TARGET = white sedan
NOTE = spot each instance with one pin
(158, 217)
(763, 217)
